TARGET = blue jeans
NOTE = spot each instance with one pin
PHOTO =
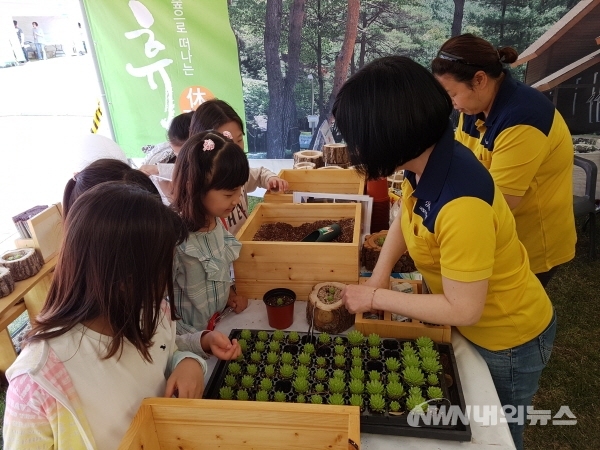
(40, 51)
(516, 372)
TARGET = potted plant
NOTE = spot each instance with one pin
(280, 307)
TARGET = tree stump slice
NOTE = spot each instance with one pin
(22, 263)
(7, 282)
(330, 315)
(311, 156)
(336, 155)
(372, 249)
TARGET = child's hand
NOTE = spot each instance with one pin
(237, 302)
(219, 345)
(149, 169)
(187, 380)
(277, 184)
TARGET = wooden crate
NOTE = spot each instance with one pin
(165, 423)
(387, 327)
(295, 265)
(347, 181)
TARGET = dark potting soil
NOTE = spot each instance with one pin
(284, 232)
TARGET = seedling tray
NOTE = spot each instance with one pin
(370, 422)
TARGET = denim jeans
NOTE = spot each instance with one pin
(516, 372)
(40, 51)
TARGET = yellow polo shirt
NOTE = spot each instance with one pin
(527, 147)
(457, 224)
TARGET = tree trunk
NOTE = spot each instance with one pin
(502, 16)
(459, 7)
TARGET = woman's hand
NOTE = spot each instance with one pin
(219, 345)
(186, 381)
(277, 184)
(237, 302)
(357, 298)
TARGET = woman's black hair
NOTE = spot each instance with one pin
(213, 114)
(390, 112)
(179, 130)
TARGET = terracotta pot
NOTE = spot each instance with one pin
(280, 316)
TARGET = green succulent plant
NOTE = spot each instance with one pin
(243, 345)
(260, 346)
(293, 337)
(234, 368)
(308, 348)
(226, 393)
(278, 335)
(357, 362)
(301, 385)
(424, 341)
(339, 373)
(392, 364)
(355, 337)
(320, 361)
(302, 371)
(319, 387)
(430, 365)
(255, 357)
(374, 375)
(230, 380)
(324, 338)
(242, 394)
(356, 400)
(304, 359)
(416, 404)
(394, 406)
(336, 386)
(320, 374)
(394, 390)
(357, 373)
(413, 376)
(338, 340)
(252, 369)
(272, 358)
(286, 371)
(287, 358)
(339, 360)
(279, 301)
(275, 346)
(279, 396)
(356, 386)
(407, 349)
(246, 335)
(266, 384)
(339, 349)
(336, 399)
(411, 361)
(374, 387)
(356, 352)
(374, 339)
(434, 392)
(428, 352)
(376, 402)
(247, 381)
(393, 377)
(374, 353)
(414, 391)
(262, 396)
(316, 399)
(432, 379)
(301, 398)
(262, 335)
(270, 370)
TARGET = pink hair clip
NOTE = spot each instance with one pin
(227, 134)
(208, 145)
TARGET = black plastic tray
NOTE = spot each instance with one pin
(377, 423)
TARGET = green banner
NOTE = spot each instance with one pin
(159, 58)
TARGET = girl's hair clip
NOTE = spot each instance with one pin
(208, 145)
(227, 134)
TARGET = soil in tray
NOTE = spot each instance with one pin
(261, 352)
(284, 232)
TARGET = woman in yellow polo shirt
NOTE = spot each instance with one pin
(518, 134)
(454, 222)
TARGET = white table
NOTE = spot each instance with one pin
(478, 388)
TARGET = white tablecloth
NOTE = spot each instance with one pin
(477, 385)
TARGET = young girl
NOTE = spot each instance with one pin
(210, 172)
(104, 340)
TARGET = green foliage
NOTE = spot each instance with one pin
(337, 385)
(432, 379)
(374, 375)
(428, 352)
(279, 396)
(394, 406)
(321, 361)
(357, 362)
(434, 392)
(247, 381)
(424, 341)
(394, 390)
(266, 384)
(274, 346)
(336, 399)
(430, 365)
(374, 353)
(356, 352)
(416, 404)
(301, 398)
(255, 357)
(243, 345)
(320, 374)
(260, 346)
(226, 393)
(356, 386)
(308, 348)
(392, 364)
(324, 338)
(413, 376)
(376, 402)
(278, 335)
(293, 337)
(251, 369)
(411, 361)
(374, 387)
(262, 335)
(316, 399)
(339, 349)
(339, 360)
(339, 373)
(262, 396)
(270, 370)
(357, 373)
(242, 394)
(234, 368)
(272, 358)
(339, 341)
(301, 385)
(356, 400)
(287, 358)
(373, 339)
(246, 335)
(393, 377)
(407, 349)
(320, 387)
(286, 371)
(414, 391)
(302, 371)
(304, 358)
(355, 338)
(230, 380)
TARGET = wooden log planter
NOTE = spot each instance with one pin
(326, 310)
(22, 263)
(336, 155)
(311, 156)
(7, 282)
(372, 249)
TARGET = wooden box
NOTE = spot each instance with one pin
(412, 329)
(264, 265)
(347, 181)
(46, 232)
(164, 423)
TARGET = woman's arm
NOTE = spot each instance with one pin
(393, 248)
